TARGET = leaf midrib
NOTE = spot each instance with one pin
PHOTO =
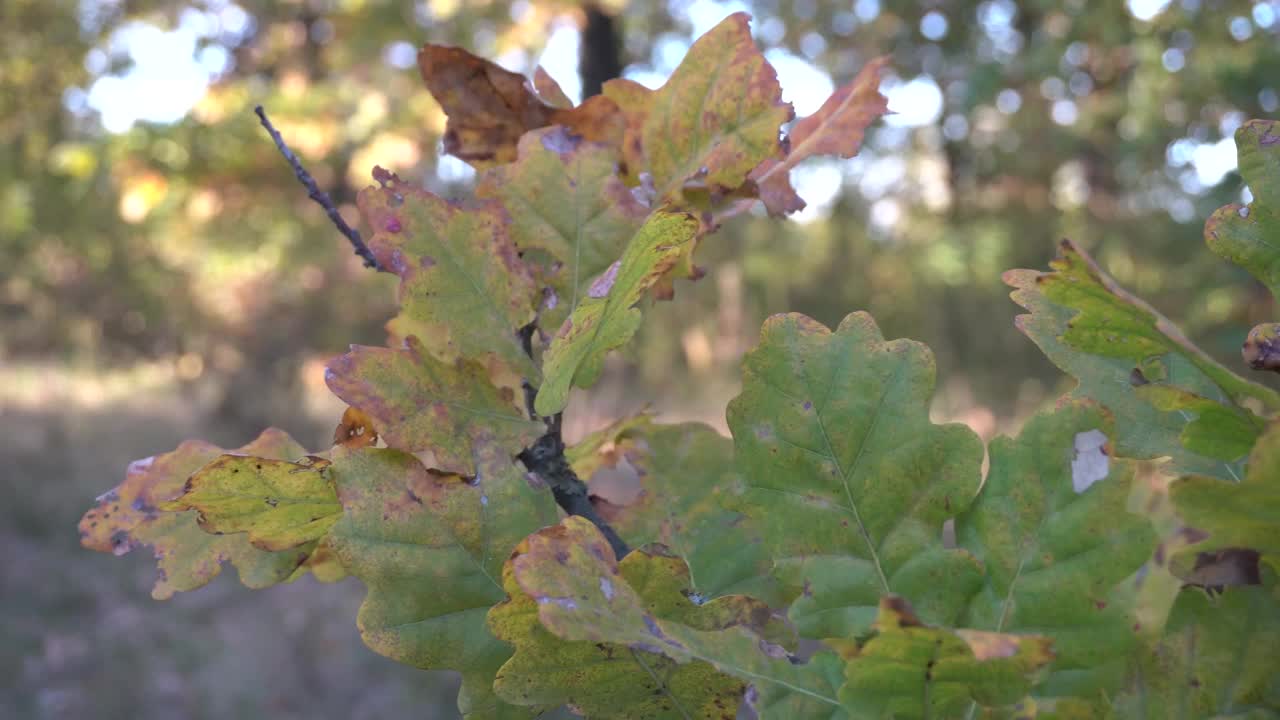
(845, 476)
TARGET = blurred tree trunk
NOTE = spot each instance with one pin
(600, 54)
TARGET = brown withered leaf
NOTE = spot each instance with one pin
(489, 108)
(549, 90)
(355, 430)
(837, 128)
(633, 101)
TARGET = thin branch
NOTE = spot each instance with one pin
(546, 459)
(319, 196)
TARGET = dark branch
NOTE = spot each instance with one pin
(600, 52)
(526, 342)
(546, 458)
(319, 196)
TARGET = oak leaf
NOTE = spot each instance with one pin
(847, 478)
(464, 291)
(716, 118)
(837, 128)
(489, 108)
(280, 504)
(418, 403)
(1169, 397)
(429, 547)
(567, 202)
(187, 557)
(608, 317)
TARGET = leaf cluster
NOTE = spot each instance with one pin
(841, 555)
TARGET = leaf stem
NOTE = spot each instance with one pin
(315, 193)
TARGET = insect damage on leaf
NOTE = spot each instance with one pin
(1090, 462)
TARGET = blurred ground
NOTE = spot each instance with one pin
(84, 640)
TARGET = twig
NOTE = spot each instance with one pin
(319, 196)
(546, 458)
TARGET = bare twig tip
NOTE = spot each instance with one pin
(315, 193)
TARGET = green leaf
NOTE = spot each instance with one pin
(1221, 431)
(1116, 346)
(1051, 529)
(607, 680)
(846, 477)
(1249, 236)
(607, 317)
(464, 291)
(1243, 515)
(909, 670)
(429, 547)
(717, 117)
(565, 199)
(1112, 323)
(418, 403)
(824, 676)
(187, 557)
(1217, 658)
(680, 476)
(584, 595)
(280, 504)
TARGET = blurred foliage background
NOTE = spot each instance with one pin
(162, 275)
